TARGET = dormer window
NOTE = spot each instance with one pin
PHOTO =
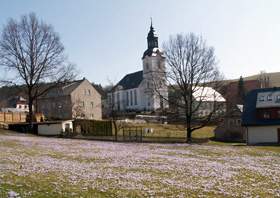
(266, 115)
(269, 98)
(261, 98)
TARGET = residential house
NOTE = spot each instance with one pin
(16, 104)
(206, 101)
(261, 116)
(77, 99)
(230, 128)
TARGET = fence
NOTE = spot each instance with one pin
(12, 117)
(93, 127)
(132, 134)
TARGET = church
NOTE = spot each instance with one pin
(144, 90)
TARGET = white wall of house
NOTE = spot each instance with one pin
(54, 128)
(262, 134)
(23, 107)
(89, 99)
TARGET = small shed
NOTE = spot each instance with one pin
(53, 128)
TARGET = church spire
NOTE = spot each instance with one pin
(152, 39)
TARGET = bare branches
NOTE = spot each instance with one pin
(191, 71)
(32, 50)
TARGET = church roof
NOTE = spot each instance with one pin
(131, 81)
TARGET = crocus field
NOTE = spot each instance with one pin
(32, 166)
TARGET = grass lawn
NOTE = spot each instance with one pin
(170, 132)
(32, 166)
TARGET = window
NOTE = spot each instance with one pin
(135, 97)
(261, 98)
(131, 98)
(83, 104)
(266, 115)
(159, 64)
(109, 100)
(92, 105)
(148, 85)
(278, 114)
(278, 98)
(85, 92)
(89, 92)
(127, 98)
(269, 98)
(118, 101)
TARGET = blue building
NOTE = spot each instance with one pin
(261, 116)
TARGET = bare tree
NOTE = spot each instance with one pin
(32, 50)
(78, 109)
(191, 69)
(113, 106)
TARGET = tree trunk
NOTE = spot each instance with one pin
(189, 130)
(189, 135)
(30, 113)
(116, 130)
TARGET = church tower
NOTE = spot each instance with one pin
(154, 72)
(152, 39)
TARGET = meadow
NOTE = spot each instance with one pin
(33, 166)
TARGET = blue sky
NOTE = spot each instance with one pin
(106, 38)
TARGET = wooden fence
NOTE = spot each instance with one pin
(133, 134)
(12, 117)
(93, 127)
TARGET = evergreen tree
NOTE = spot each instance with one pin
(241, 91)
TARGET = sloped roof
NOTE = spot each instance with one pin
(64, 89)
(207, 94)
(130, 81)
(249, 116)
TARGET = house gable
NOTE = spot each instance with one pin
(85, 85)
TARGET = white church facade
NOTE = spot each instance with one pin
(144, 90)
